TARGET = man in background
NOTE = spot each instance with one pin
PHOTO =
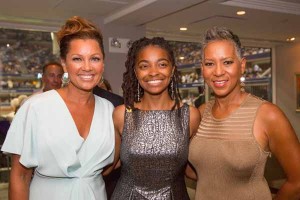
(52, 76)
(103, 89)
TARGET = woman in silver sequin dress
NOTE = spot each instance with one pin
(154, 125)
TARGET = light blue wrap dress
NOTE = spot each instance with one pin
(67, 167)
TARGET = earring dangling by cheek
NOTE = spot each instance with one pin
(172, 90)
(65, 79)
(242, 84)
(138, 93)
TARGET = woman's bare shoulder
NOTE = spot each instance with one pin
(273, 121)
(118, 116)
(120, 108)
(270, 112)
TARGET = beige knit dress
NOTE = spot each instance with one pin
(227, 158)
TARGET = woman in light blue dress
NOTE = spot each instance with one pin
(65, 135)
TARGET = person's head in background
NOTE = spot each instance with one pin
(82, 53)
(105, 85)
(52, 76)
(134, 85)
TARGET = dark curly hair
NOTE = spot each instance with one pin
(77, 28)
(130, 82)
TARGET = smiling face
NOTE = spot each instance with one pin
(84, 64)
(153, 70)
(222, 68)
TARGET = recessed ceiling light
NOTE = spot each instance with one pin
(241, 12)
(181, 57)
(291, 39)
(183, 28)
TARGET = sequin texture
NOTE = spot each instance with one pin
(154, 154)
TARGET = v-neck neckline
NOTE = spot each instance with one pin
(72, 119)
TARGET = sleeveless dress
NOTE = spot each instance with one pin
(154, 153)
(229, 162)
(67, 167)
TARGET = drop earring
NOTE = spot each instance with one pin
(173, 78)
(138, 93)
(172, 90)
(242, 84)
(65, 78)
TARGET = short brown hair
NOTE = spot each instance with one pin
(51, 63)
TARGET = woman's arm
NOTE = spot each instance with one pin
(284, 144)
(194, 120)
(194, 124)
(118, 118)
(115, 164)
(20, 178)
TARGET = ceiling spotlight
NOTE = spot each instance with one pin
(115, 43)
(291, 39)
(183, 29)
(241, 12)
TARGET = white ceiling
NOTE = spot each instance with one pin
(265, 20)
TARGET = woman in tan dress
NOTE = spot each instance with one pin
(239, 131)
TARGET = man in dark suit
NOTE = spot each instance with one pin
(115, 99)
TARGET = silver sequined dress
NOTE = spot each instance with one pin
(154, 154)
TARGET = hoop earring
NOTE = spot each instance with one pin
(138, 93)
(65, 78)
(242, 84)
